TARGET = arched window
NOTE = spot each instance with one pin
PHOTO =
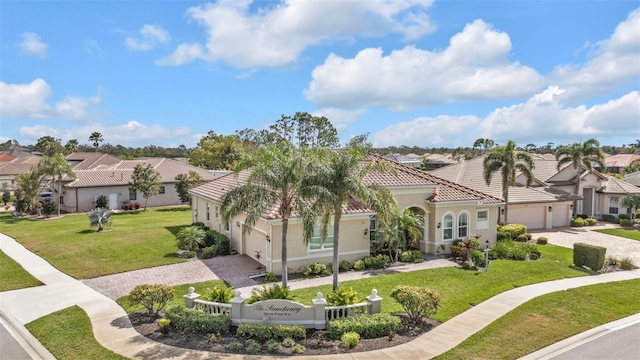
(447, 227)
(463, 225)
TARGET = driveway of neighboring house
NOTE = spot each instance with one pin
(617, 247)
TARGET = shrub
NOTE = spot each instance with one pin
(343, 296)
(318, 268)
(513, 230)
(210, 236)
(636, 221)
(374, 262)
(273, 345)
(577, 222)
(503, 235)
(522, 238)
(271, 277)
(213, 338)
(459, 252)
(224, 245)
(219, 294)
(358, 265)
(164, 325)
(102, 201)
(153, 297)
(288, 342)
(368, 326)
(49, 207)
(235, 346)
(542, 240)
(624, 216)
(350, 339)
(265, 332)
(627, 264)
(478, 258)
(608, 218)
(253, 347)
(197, 321)
(413, 256)
(6, 196)
(345, 265)
(588, 255)
(529, 236)
(20, 206)
(191, 254)
(298, 349)
(190, 238)
(534, 253)
(209, 252)
(305, 270)
(511, 250)
(590, 221)
(417, 301)
(275, 291)
(623, 222)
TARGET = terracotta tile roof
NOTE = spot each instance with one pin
(617, 186)
(90, 160)
(21, 165)
(6, 157)
(620, 160)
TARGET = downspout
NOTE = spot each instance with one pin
(270, 247)
(77, 208)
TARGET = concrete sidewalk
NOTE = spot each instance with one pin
(112, 328)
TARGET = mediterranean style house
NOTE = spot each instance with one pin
(548, 202)
(450, 211)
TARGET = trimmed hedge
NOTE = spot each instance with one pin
(542, 240)
(368, 326)
(590, 221)
(511, 250)
(411, 256)
(514, 230)
(266, 332)
(197, 321)
(624, 216)
(577, 222)
(588, 255)
(625, 222)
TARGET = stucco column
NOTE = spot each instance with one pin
(190, 298)
(236, 307)
(375, 302)
(320, 305)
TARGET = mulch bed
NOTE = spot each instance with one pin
(148, 326)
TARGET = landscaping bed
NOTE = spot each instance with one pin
(315, 344)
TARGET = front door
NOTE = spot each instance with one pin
(587, 203)
(113, 201)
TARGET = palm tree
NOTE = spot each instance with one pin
(507, 161)
(631, 201)
(53, 166)
(72, 146)
(30, 183)
(580, 156)
(96, 138)
(633, 166)
(275, 179)
(100, 217)
(399, 232)
(190, 238)
(337, 179)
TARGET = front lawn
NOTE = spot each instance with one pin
(138, 240)
(550, 318)
(68, 335)
(13, 276)
(462, 289)
(633, 234)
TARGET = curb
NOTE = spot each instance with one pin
(573, 342)
(23, 337)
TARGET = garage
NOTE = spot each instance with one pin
(255, 243)
(530, 215)
(561, 215)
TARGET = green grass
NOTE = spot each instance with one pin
(550, 318)
(13, 276)
(180, 290)
(462, 289)
(138, 240)
(68, 335)
(625, 233)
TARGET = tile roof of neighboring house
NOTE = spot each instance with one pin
(444, 191)
(633, 178)
(617, 186)
(620, 160)
(90, 160)
(6, 157)
(401, 158)
(21, 165)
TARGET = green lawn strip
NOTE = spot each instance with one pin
(138, 240)
(462, 289)
(13, 276)
(68, 335)
(550, 318)
(180, 290)
(633, 234)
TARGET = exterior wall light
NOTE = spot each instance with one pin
(550, 209)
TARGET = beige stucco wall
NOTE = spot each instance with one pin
(83, 199)
(437, 213)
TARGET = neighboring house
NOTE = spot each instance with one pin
(548, 202)
(404, 160)
(100, 174)
(450, 211)
(616, 163)
(21, 165)
(633, 178)
(436, 161)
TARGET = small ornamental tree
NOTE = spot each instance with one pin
(417, 301)
(145, 180)
(154, 297)
(185, 182)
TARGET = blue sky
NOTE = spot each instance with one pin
(409, 72)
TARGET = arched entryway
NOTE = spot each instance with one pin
(413, 242)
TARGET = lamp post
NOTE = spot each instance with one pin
(486, 257)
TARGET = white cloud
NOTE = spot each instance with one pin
(33, 45)
(151, 35)
(340, 118)
(543, 116)
(275, 36)
(184, 53)
(474, 66)
(29, 101)
(616, 62)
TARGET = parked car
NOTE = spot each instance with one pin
(45, 196)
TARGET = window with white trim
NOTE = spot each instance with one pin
(162, 190)
(372, 227)
(463, 225)
(207, 212)
(447, 227)
(482, 219)
(316, 242)
(613, 205)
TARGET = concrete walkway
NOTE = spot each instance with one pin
(112, 328)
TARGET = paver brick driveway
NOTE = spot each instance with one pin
(617, 247)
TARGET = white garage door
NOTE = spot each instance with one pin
(531, 216)
(561, 215)
(254, 243)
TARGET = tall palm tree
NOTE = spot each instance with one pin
(401, 229)
(96, 138)
(337, 179)
(276, 178)
(580, 156)
(506, 160)
(72, 146)
(53, 166)
(631, 201)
